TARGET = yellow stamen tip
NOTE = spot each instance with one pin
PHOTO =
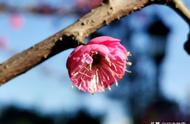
(129, 54)
(129, 63)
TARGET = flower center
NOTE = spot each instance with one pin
(96, 59)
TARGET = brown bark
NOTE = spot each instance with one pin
(69, 37)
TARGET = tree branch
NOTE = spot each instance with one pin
(69, 37)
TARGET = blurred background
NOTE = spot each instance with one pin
(156, 90)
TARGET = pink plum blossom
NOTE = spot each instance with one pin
(16, 21)
(98, 64)
(3, 42)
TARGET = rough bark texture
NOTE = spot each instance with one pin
(71, 36)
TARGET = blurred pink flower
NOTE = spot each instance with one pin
(88, 3)
(3, 42)
(98, 64)
(16, 21)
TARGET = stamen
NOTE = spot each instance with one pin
(109, 88)
(116, 83)
(92, 83)
(90, 67)
(113, 74)
(109, 70)
(75, 74)
(129, 54)
(84, 74)
(101, 76)
(80, 86)
(97, 78)
(109, 67)
(129, 63)
(114, 66)
(108, 60)
(128, 71)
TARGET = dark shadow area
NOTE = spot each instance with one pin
(16, 115)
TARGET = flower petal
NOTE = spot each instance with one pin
(98, 64)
